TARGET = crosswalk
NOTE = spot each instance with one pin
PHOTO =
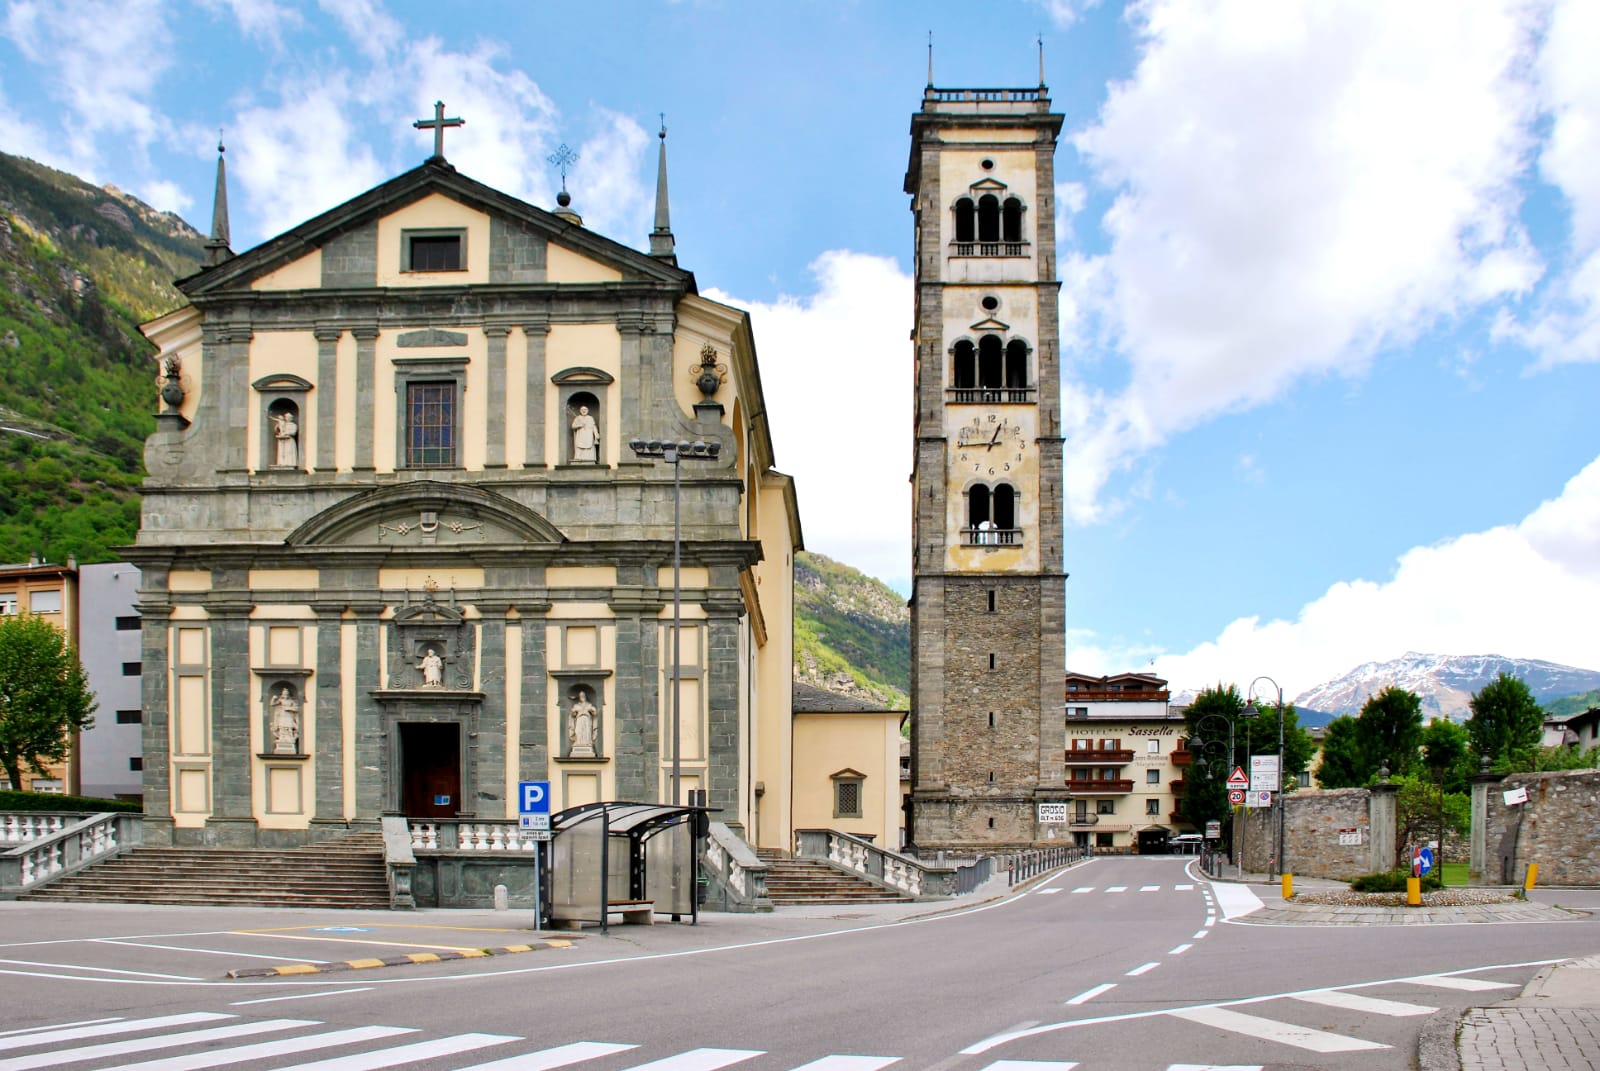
(194, 1041)
(1082, 890)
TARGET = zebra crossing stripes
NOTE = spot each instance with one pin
(1454, 981)
(549, 1059)
(1031, 1065)
(134, 1045)
(700, 1060)
(1300, 1037)
(104, 1028)
(196, 1061)
(1338, 998)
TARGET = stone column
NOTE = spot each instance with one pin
(327, 396)
(366, 379)
(494, 456)
(329, 685)
(1478, 850)
(1381, 826)
(372, 750)
(155, 606)
(536, 332)
(233, 709)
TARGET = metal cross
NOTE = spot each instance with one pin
(437, 124)
(563, 158)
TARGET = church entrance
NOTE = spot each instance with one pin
(430, 769)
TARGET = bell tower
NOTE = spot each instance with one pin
(988, 587)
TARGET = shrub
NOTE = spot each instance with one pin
(1392, 881)
(45, 801)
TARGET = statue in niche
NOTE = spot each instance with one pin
(286, 435)
(432, 667)
(283, 723)
(580, 726)
(585, 437)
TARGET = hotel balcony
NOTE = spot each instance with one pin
(1178, 786)
(1182, 757)
(1097, 757)
(1099, 787)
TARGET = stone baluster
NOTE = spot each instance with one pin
(497, 838)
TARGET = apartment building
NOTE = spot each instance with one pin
(1125, 763)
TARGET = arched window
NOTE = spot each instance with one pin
(1016, 364)
(965, 211)
(1011, 220)
(988, 218)
(1003, 502)
(966, 365)
(990, 366)
(977, 506)
(992, 516)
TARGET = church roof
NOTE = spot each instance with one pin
(806, 699)
(433, 176)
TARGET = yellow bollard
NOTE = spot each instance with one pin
(1533, 875)
(1414, 892)
(1288, 886)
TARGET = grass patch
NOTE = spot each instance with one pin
(1454, 873)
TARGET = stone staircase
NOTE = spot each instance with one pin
(813, 881)
(345, 872)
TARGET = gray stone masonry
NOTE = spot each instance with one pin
(1312, 824)
(1558, 828)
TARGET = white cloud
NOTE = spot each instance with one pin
(837, 376)
(1297, 186)
(166, 196)
(1509, 590)
(1064, 13)
(265, 20)
(616, 199)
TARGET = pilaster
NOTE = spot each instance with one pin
(366, 336)
(495, 447)
(327, 396)
(537, 332)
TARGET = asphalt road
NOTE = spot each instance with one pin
(1122, 963)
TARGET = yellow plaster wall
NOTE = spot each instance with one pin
(517, 399)
(302, 274)
(562, 265)
(686, 343)
(1024, 476)
(435, 210)
(189, 580)
(774, 664)
(344, 443)
(284, 579)
(294, 352)
(580, 576)
(583, 346)
(825, 744)
(474, 419)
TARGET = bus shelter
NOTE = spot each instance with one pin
(634, 860)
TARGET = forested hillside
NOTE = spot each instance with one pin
(852, 633)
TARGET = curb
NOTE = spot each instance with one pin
(1436, 1043)
(294, 969)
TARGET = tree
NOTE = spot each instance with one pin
(1506, 724)
(1342, 765)
(1297, 746)
(44, 696)
(1446, 752)
(1388, 730)
(1422, 811)
(1205, 795)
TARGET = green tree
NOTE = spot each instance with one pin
(1342, 765)
(1446, 752)
(1205, 795)
(1388, 730)
(44, 696)
(1506, 724)
(1424, 811)
(1297, 746)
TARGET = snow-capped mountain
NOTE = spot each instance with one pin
(1445, 683)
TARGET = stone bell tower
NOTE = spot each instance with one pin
(987, 613)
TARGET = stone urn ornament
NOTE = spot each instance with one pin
(708, 374)
(171, 387)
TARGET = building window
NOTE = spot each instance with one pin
(991, 600)
(1102, 840)
(1109, 745)
(8, 605)
(847, 797)
(132, 669)
(130, 717)
(1011, 220)
(128, 624)
(992, 517)
(1108, 773)
(1105, 806)
(430, 425)
(50, 787)
(1153, 746)
(439, 250)
(136, 763)
(1079, 744)
(1152, 806)
(1152, 777)
(45, 602)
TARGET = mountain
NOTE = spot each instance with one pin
(1445, 684)
(852, 633)
(1567, 706)
(80, 267)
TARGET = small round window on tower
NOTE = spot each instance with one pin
(988, 165)
(990, 302)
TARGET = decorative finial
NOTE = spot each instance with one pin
(564, 158)
(662, 244)
(663, 134)
(930, 59)
(438, 125)
(1041, 60)
(217, 250)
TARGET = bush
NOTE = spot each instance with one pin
(46, 801)
(1393, 881)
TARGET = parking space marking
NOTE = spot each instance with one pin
(197, 951)
(301, 996)
(102, 970)
(364, 941)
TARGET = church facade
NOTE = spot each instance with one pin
(398, 554)
(988, 583)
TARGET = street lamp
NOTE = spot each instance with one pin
(1198, 745)
(673, 453)
(1277, 795)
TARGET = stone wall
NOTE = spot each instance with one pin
(1312, 821)
(1558, 828)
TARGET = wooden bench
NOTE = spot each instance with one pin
(633, 912)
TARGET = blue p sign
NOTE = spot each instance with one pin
(534, 797)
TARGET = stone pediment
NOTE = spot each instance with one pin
(431, 338)
(426, 513)
(991, 324)
(988, 185)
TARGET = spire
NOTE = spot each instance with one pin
(217, 250)
(661, 243)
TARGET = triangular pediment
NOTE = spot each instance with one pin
(991, 324)
(987, 185)
(425, 513)
(575, 244)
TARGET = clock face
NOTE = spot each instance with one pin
(990, 445)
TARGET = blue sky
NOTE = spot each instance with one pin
(1331, 272)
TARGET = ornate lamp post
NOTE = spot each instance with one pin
(673, 453)
(1277, 793)
(1198, 746)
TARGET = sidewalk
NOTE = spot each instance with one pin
(1554, 1025)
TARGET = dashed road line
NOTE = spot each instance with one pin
(1089, 994)
(1145, 968)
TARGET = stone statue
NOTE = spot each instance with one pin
(580, 726)
(284, 723)
(585, 437)
(432, 667)
(286, 433)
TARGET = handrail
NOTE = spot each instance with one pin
(399, 862)
(737, 870)
(68, 849)
(1028, 864)
(889, 869)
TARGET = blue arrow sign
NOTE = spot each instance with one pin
(1424, 861)
(533, 797)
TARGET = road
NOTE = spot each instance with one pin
(1122, 963)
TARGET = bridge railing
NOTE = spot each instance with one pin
(1036, 861)
(65, 848)
(889, 869)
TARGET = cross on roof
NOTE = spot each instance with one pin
(437, 124)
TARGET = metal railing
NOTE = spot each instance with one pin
(991, 537)
(974, 874)
(1025, 865)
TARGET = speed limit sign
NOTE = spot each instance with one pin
(1236, 796)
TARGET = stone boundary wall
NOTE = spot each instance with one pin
(1559, 828)
(1312, 820)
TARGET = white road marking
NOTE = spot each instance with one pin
(196, 951)
(1031, 1065)
(166, 1041)
(102, 1028)
(1117, 888)
(1083, 889)
(1198, 934)
(1213, 1067)
(405, 1054)
(1180, 950)
(101, 970)
(1144, 969)
(1089, 994)
(560, 1056)
(1236, 900)
(849, 1063)
(59, 1026)
(1337, 998)
(265, 1050)
(1047, 892)
(1256, 1026)
(700, 1060)
(1451, 981)
(1182, 888)
(1149, 888)
(301, 996)
(1211, 920)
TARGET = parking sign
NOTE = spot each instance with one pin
(533, 797)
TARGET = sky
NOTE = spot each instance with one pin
(1330, 272)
